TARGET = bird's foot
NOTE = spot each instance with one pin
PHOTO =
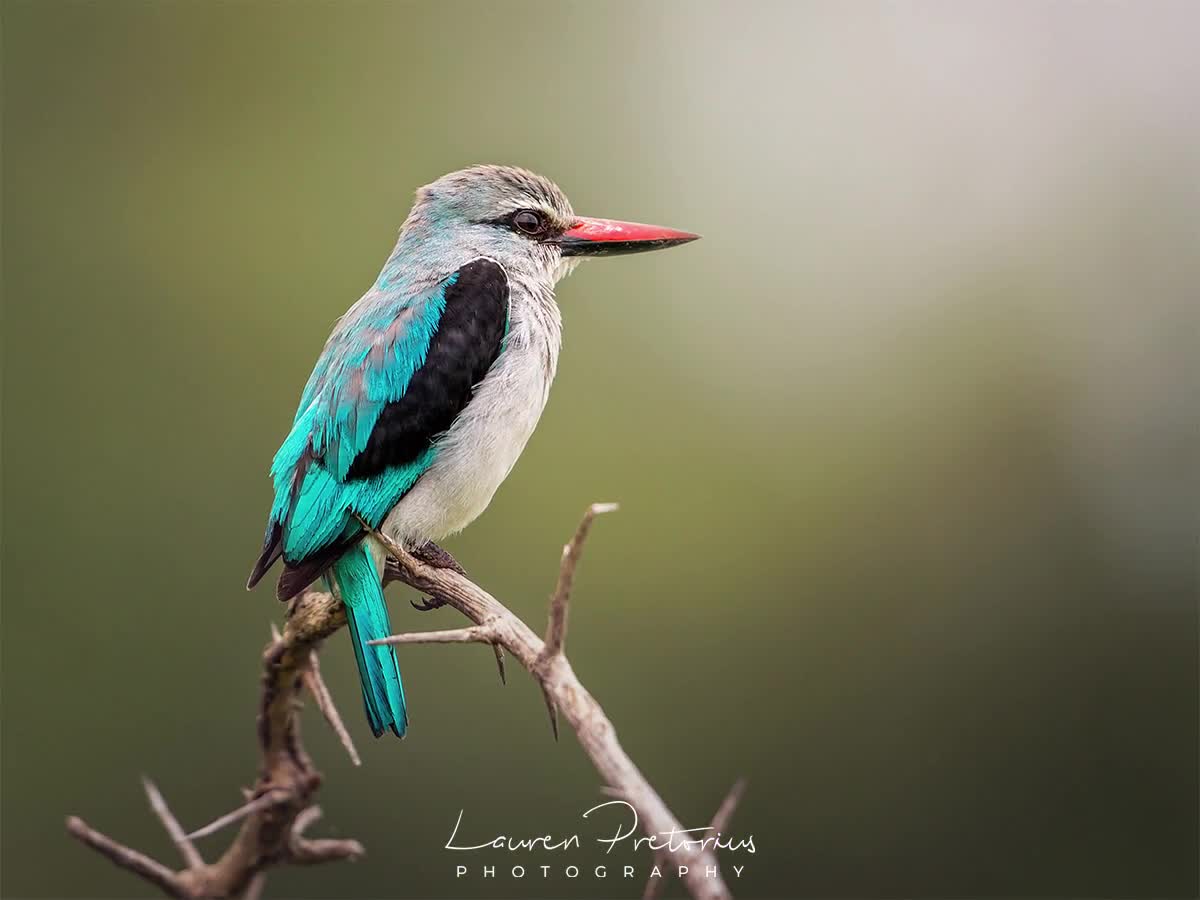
(426, 604)
(433, 555)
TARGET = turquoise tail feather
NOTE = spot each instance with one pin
(361, 591)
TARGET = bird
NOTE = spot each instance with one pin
(425, 395)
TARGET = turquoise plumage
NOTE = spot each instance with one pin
(367, 363)
(427, 392)
(356, 581)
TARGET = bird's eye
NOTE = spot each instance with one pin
(529, 222)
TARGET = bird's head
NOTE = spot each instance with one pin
(524, 221)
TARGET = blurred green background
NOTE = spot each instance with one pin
(907, 448)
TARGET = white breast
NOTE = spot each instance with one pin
(483, 444)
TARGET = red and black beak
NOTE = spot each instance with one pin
(607, 237)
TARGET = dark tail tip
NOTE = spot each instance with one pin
(260, 568)
(294, 579)
(272, 550)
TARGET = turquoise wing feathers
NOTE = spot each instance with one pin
(398, 369)
(395, 374)
(366, 364)
(356, 446)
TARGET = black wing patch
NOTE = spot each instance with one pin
(464, 346)
(466, 343)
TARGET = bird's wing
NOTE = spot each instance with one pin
(394, 374)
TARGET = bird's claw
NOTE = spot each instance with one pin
(427, 604)
(433, 555)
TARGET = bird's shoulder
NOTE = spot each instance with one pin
(432, 378)
(395, 373)
(398, 367)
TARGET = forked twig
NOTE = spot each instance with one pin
(720, 821)
(324, 700)
(191, 856)
(562, 690)
(279, 810)
(252, 806)
(282, 792)
(125, 857)
(556, 628)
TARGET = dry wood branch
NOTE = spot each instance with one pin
(724, 813)
(720, 821)
(191, 856)
(138, 863)
(316, 686)
(479, 634)
(556, 628)
(324, 700)
(305, 851)
(496, 625)
(278, 808)
(250, 806)
(254, 891)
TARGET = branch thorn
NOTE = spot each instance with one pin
(556, 628)
(191, 856)
(324, 700)
(553, 710)
(270, 798)
(500, 662)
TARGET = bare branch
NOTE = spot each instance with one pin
(564, 693)
(654, 886)
(138, 863)
(324, 700)
(305, 818)
(556, 629)
(284, 787)
(724, 813)
(255, 888)
(273, 833)
(304, 851)
(477, 634)
(720, 821)
(253, 806)
(392, 547)
(191, 856)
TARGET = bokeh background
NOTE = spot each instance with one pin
(908, 448)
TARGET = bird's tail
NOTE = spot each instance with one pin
(360, 589)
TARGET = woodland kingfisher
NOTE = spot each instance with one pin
(426, 393)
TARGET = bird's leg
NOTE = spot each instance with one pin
(433, 555)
